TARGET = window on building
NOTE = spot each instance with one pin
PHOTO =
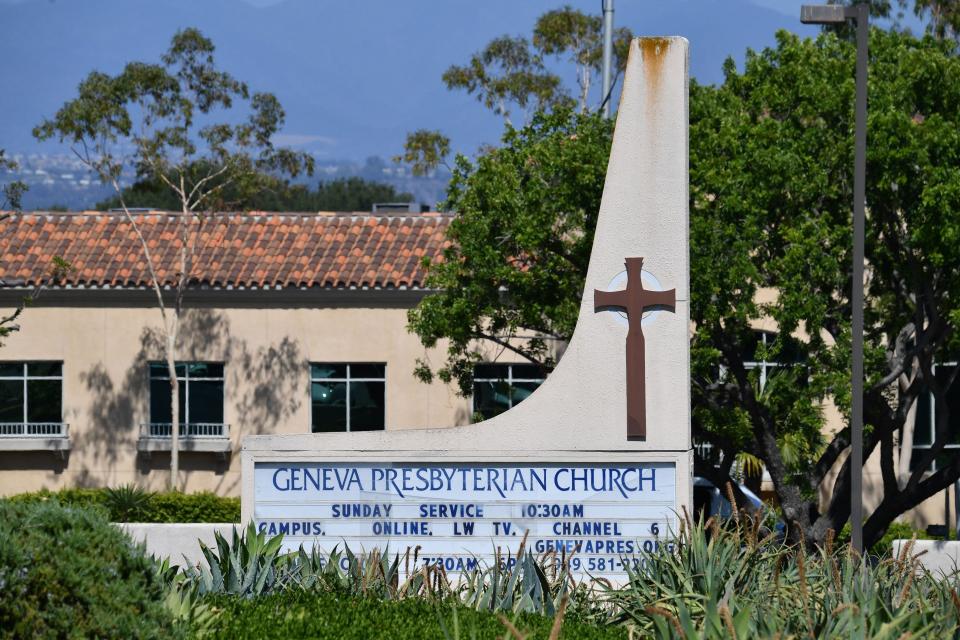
(348, 397)
(201, 398)
(498, 387)
(31, 397)
(789, 355)
(762, 342)
(924, 433)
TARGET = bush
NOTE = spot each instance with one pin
(205, 506)
(68, 573)
(129, 504)
(883, 548)
(304, 614)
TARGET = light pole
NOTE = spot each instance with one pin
(607, 56)
(860, 14)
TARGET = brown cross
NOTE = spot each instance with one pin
(635, 300)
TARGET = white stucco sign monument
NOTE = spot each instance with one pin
(598, 461)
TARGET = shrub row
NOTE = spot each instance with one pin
(130, 504)
(68, 573)
(305, 614)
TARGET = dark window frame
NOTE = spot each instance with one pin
(509, 380)
(26, 377)
(186, 378)
(347, 379)
(931, 423)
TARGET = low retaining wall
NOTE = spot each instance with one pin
(177, 541)
(940, 557)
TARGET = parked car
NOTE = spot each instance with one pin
(712, 501)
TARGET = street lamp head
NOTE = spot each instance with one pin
(822, 14)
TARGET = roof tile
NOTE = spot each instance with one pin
(262, 250)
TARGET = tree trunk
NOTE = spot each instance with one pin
(906, 440)
(174, 412)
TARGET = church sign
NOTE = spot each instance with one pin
(596, 464)
(602, 515)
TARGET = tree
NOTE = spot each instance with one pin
(11, 192)
(509, 71)
(573, 33)
(506, 73)
(166, 113)
(274, 194)
(525, 218)
(771, 161)
(770, 194)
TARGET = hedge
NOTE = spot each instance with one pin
(305, 614)
(69, 573)
(168, 506)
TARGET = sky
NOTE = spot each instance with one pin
(354, 77)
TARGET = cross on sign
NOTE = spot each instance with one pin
(634, 300)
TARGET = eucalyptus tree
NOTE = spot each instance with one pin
(511, 73)
(192, 127)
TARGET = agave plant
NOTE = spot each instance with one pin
(733, 583)
(128, 502)
(522, 584)
(248, 565)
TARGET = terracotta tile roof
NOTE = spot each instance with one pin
(236, 250)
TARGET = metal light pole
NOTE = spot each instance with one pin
(607, 56)
(860, 14)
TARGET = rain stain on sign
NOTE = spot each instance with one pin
(653, 52)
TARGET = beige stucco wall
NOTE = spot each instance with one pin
(266, 352)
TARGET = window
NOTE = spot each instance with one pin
(789, 355)
(201, 398)
(498, 387)
(31, 398)
(924, 433)
(347, 397)
(761, 343)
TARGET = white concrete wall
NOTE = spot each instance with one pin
(178, 542)
(940, 557)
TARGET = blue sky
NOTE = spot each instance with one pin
(354, 77)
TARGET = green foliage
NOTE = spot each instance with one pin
(300, 614)
(526, 214)
(250, 565)
(424, 151)
(166, 112)
(129, 505)
(729, 580)
(735, 583)
(273, 194)
(770, 197)
(883, 548)
(505, 73)
(579, 36)
(68, 573)
(246, 566)
(771, 178)
(11, 193)
(203, 506)
(509, 71)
